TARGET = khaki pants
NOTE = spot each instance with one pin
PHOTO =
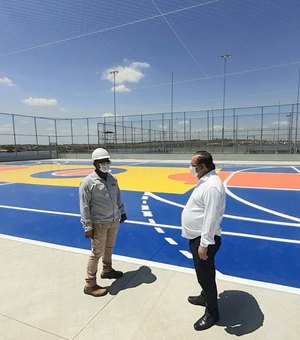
(102, 246)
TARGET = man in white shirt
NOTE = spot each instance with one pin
(100, 207)
(201, 224)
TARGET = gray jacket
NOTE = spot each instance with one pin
(100, 200)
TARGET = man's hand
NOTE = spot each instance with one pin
(89, 234)
(123, 218)
(202, 252)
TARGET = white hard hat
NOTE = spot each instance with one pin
(100, 153)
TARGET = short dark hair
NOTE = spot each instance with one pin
(204, 157)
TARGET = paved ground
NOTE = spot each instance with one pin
(42, 298)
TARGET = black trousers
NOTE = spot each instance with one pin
(206, 274)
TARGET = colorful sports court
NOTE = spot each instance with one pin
(261, 226)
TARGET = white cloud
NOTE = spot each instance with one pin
(6, 128)
(108, 114)
(132, 73)
(283, 123)
(6, 81)
(181, 122)
(163, 127)
(23, 122)
(218, 128)
(121, 88)
(39, 101)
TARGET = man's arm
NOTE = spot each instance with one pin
(85, 199)
(121, 206)
(212, 202)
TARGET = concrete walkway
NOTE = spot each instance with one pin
(42, 298)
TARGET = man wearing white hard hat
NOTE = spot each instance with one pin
(100, 207)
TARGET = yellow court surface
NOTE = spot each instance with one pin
(134, 178)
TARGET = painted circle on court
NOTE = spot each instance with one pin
(72, 173)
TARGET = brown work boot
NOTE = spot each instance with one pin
(95, 291)
(113, 274)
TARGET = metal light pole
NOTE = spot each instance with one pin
(114, 72)
(224, 57)
(289, 117)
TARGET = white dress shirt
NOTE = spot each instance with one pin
(203, 213)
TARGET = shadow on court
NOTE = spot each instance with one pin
(240, 312)
(132, 279)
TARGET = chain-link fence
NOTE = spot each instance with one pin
(264, 129)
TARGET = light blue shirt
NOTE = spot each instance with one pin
(203, 213)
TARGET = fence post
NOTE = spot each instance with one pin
(236, 133)
(213, 132)
(291, 128)
(49, 140)
(207, 123)
(261, 129)
(278, 129)
(296, 131)
(72, 140)
(190, 129)
(104, 133)
(132, 140)
(163, 131)
(36, 137)
(56, 140)
(184, 130)
(123, 133)
(233, 127)
(14, 132)
(88, 134)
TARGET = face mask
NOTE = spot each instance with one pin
(104, 167)
(193, 170)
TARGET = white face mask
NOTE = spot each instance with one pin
(193, 170)
(104, 167)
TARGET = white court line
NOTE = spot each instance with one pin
(267, 238)
(165, 200)
(295, 168)
(39, 210)
(7, 183)
(253, 205)
(171, 241)
(159, 230)
(61, 163)
(153, 264)
(223, 232)
(256, 206)
(186, 254)
(250, 219)
(149, 224)
(229, 216)
(133, 164)
(255, 188)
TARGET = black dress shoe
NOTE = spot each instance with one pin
(205, 322)
(197, 300)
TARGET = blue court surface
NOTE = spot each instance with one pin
(261, 226)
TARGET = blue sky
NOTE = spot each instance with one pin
(56, 55)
